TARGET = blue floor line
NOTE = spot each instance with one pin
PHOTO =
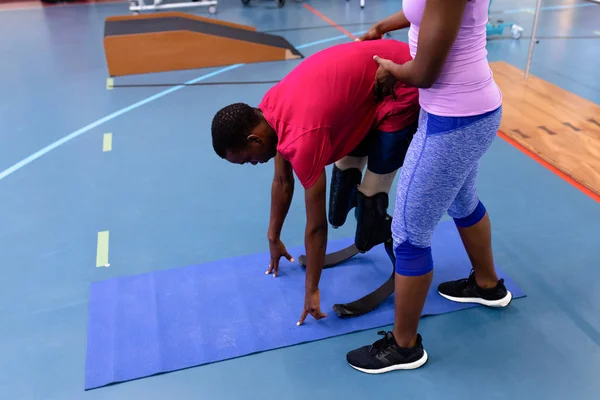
(110, 117)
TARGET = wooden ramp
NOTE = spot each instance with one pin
(171, 41)
(558, 126)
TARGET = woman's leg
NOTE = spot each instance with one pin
(410, 292)
(477, 240)
(473, 224)
(443, 154)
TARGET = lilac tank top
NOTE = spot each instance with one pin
(466, 86)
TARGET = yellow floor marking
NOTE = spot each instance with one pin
(102, 250)
(107, 142)
(110, 83)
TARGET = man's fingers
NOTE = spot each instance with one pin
(289, 257)
(273, 265)
(317, 314)
(302, 317)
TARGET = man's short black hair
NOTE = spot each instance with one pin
(231, 127)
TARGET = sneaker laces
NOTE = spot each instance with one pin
(381, 343)
(471, 281)
(464, 282)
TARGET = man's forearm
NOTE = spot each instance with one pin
(282, 192)
(315, 236)
(316, 244)
(392, 23)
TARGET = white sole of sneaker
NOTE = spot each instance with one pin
(503, 302)
(412, 365)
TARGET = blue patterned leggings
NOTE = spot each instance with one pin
(439, 176)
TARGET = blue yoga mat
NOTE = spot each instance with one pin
(179, 318)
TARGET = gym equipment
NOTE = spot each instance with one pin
(533, 41)
(498, 27)
(137, 6)
(178, 318)
(362, 3)
(172, 41)
(280, 3)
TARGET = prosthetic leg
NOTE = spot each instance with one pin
(373, 224)
(373, 227)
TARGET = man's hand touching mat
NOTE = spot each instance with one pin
(312, 306)
(277, 250)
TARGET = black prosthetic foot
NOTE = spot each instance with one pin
(371, 301)
(373, 224)
(342, 194)
(333, 259)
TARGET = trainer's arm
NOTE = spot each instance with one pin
(315, 237)
(438, 30)
(282, 191)
(392, 23)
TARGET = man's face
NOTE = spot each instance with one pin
(254, 154)
(259, 149)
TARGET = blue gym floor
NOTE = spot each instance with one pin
(169, 201)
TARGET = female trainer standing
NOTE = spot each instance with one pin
(461, 112)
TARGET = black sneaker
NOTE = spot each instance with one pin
(467, 291)
(385, 355)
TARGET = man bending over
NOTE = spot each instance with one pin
(325, 112)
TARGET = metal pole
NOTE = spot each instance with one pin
(538, 5)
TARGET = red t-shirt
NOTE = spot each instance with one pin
(325, 107)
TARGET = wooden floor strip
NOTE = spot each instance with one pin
(554, 124)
